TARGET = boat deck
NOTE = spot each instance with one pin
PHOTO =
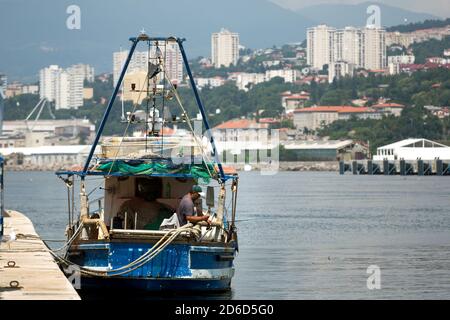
(35, 275)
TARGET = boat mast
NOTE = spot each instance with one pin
(111, 102)
(135, 41)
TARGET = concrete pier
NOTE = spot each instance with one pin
(401, 167)
(27, 270)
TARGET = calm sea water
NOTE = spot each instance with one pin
(310, 235)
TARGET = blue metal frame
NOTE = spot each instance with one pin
(119, 174)
(135, 41)
(111, 102)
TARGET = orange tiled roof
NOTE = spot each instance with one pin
(388, 105)
(242, 124)
(339, 109)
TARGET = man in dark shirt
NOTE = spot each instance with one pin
(186, 211)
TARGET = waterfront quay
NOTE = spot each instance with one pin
(27, 269)
(396, 167)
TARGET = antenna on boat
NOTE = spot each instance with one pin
(122, 118)
(145, 38)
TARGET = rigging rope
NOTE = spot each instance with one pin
(139, 262)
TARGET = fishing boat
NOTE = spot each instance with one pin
(130, 237)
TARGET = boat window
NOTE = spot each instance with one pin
(149, 189)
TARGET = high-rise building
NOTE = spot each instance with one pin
(320, 46)
(224, 48)
(374, 48)
(349, 46)
(65, 87)
(174, 62)
(137, 63)
(170, 54)
(48, 82)
(85, 70)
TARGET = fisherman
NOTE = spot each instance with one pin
(186, 209)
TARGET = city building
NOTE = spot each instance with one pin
(340, 69)
(349, 46)
(413, 149)
(49, 156)
(224, 48)
(320, 46)
(69, 89)
(397, 38)
(139, 62)
(403, 59)
(375, 53)
(318, 117)
(51, 128)
(389, 108)
(245, 80)
(358, 47)
(325, 150)
(3, 82)
(209, 82)
(289, 75)
(65, 86)
(48, 82)
(170, 54)
(291, 101)
(88, 93)
(239, 135)
(13, 89)
(134, 83)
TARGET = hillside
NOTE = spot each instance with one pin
(341, 15)
(33, 33)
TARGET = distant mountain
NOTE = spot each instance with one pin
(341, 15)
(33, 33)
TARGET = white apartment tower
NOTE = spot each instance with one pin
(171, 57)
(345, 49)
(320, 46)
(137, 63)
(65, 87)
(374, 48)
(224, 48)
(349, 46)
(48, 81)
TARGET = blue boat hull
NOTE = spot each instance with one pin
(179, 267)
(156, 285)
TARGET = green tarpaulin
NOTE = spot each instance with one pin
(120, 166)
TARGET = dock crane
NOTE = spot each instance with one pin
(40, 105)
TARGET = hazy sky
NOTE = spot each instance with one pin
(439, 8)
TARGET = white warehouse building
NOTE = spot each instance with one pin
(413, 149)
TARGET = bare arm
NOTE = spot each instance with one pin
(197, 218)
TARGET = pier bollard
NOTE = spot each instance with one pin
(420, 168)
(369, 167)
(355, 167)
(439, 167)
(403, 167)
(386, 167)
(341, 167)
